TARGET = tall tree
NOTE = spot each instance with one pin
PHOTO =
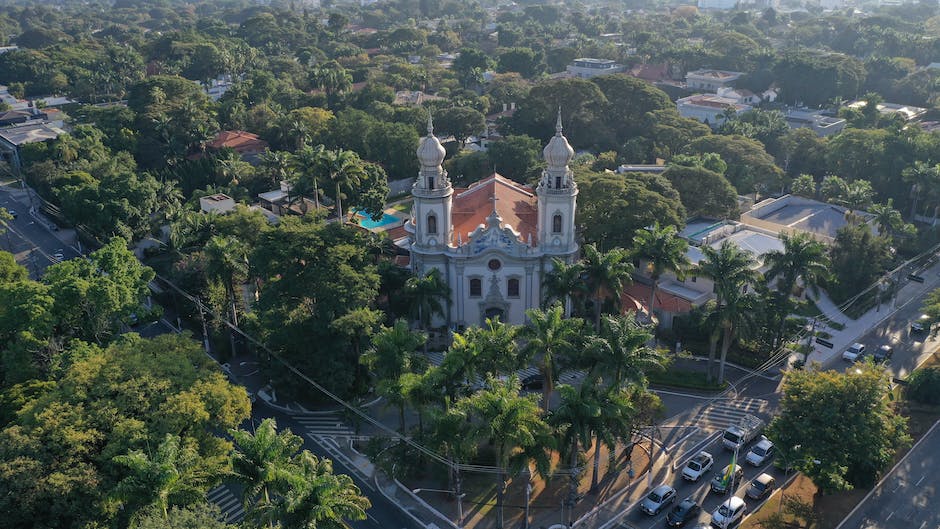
(607, 273)
(227, 263)
(664, 251)
(171, 476)
(390, 357)
(262, 464)
(549, 337)
(318, 498)
(731, 269)
(854, 428)
(575, 418)
(515, 426)
(563, 283)
(621, 352)
(429, 296)
(345, 170)
(307, 164)
(803, 258)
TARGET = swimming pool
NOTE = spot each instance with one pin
(365, 220)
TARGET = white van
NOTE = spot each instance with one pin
(729, 513)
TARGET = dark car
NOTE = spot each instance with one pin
(533, 382)
(682, 513)
(12, 212)
(920, 325)
(761, 486)
(883, 353)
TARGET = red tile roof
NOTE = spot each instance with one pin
(515, 203)
(664, 301)
(239, 141)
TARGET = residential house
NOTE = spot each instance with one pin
(822, 125)
(586, 68)
(414, 98)
(14, 117)
(249, 146)
(792, 214)
(717, 4)
(709, 109)
(12, 138)
(741, 95)
(711, 80)
(218, 203)
(906, 112)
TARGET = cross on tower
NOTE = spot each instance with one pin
(493, 199)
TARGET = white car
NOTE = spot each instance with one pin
(730, 512)
(698, 466)
(658, 499)
(854, 353)
(760, 452)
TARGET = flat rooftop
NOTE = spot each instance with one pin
(31, 133)
(823, 219)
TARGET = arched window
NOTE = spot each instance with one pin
(556, 224)
(512, 287)
(430, 182)
(557, 182)
(476, 288)
(432, 223)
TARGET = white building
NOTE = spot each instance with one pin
(493, 241)
(218, 203)
(711, 80)
(585, 68)
(717, 4)
(822, 125)
(709, 109)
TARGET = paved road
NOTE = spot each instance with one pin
(28, 239)
(907, 497)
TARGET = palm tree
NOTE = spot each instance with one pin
(731, 269)
(856, 196)
(563, 283)
(390, 357)
(174, 475)
(227, 263)
(428, 296)
(514, 425)
(736, 315)
(607, 274)
(277, 166)
(925, 182)
(345, 170)
(887, 218)
(496, 343)
(318, 498)
(575, 419)
(664, 250)
(550, 336)
(621, 351)
(262, 464)
(802, 257)
(307, 163)
(462, 362)
(615, 423)
(452, 435)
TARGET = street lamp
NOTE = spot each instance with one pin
(454, 493)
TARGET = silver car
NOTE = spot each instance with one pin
(697, 466)
(658, 499)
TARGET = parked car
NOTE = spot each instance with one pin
(760, 452)
(920, 325)
(697, 466)
(883, 353)
(686, 510)
(58, 256)
(533, 382)
(729, 513)
(721, 485)
(12, 213)
(657, 499)
(761, 486)
(855, 352)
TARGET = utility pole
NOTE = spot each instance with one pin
(205, 331)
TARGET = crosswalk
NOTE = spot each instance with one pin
(228, 503)
(721, 414)
(324, 425)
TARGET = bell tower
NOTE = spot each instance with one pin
(557, 197)
(433, 195)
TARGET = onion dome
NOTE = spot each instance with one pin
(430, 151)
(558, 152)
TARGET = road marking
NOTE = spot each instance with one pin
(888, 517)
(919, 480)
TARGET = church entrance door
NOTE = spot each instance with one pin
(493, 313)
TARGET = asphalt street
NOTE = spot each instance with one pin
(29, 240)
(907, 496)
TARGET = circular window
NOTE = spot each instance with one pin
(494, 264)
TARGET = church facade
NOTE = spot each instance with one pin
(494, 241)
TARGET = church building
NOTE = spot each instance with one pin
(494, 241)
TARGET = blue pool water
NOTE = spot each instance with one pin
(366, 220)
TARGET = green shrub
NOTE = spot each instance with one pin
(924, 386)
